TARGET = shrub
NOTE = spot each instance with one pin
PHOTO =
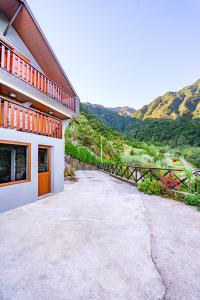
(198, 185)
(81, 153)
(192, 199)
(178, 196)
(86, 131)
(169, 182)
(69, 172)
(192, 155)
(149, 187)
(190, 178)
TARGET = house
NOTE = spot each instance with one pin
(37, 101)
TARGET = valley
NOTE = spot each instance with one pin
(165, 133)
(83, 142)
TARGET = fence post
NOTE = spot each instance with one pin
(136, 175)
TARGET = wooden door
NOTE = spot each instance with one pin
(44, 170)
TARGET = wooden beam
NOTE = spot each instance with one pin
(13, 19)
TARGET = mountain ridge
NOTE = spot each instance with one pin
(108, 116)
(184, 103)
(123, 110)
(173, 118)
(173, 105)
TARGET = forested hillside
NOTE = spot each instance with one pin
(167, 127)
(85, 133)
(109, 116)
(175, 132)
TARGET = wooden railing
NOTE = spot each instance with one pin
(18, 117)
(14, 64)
(138, 174)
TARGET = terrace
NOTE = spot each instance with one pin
(100, 239)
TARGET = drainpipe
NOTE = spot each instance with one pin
(65, 124)
(77, 105)
(101, 149)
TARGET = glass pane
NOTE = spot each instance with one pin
(43, 165)
(21, 164)
(5, 165)
(13, 163)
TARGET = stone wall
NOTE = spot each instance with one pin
(70, 161)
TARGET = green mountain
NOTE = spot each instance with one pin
(184, 104)
(164, 130)
(110, 117)
(147, 146)
(140, 138)
(87, 135)
(174, 105)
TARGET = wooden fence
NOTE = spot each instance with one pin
(136, 174)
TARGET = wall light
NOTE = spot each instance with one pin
(13, 95)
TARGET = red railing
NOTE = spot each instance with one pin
(18, 117)
(14, 64)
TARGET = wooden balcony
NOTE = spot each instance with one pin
(17, 117)
(17, 66)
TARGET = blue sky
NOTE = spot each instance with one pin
(123, 52)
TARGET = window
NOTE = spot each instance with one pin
(43, 165)
(14, 162)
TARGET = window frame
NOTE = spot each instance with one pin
(28, 145)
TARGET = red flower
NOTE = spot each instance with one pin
(169, 182)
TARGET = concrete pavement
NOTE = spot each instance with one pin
(100, 239)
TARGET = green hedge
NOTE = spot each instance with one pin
(81, 153)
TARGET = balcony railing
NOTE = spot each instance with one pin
(18, 117)
(17, 66)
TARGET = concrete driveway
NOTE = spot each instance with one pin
(100, 239)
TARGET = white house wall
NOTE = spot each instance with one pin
(15, 195)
